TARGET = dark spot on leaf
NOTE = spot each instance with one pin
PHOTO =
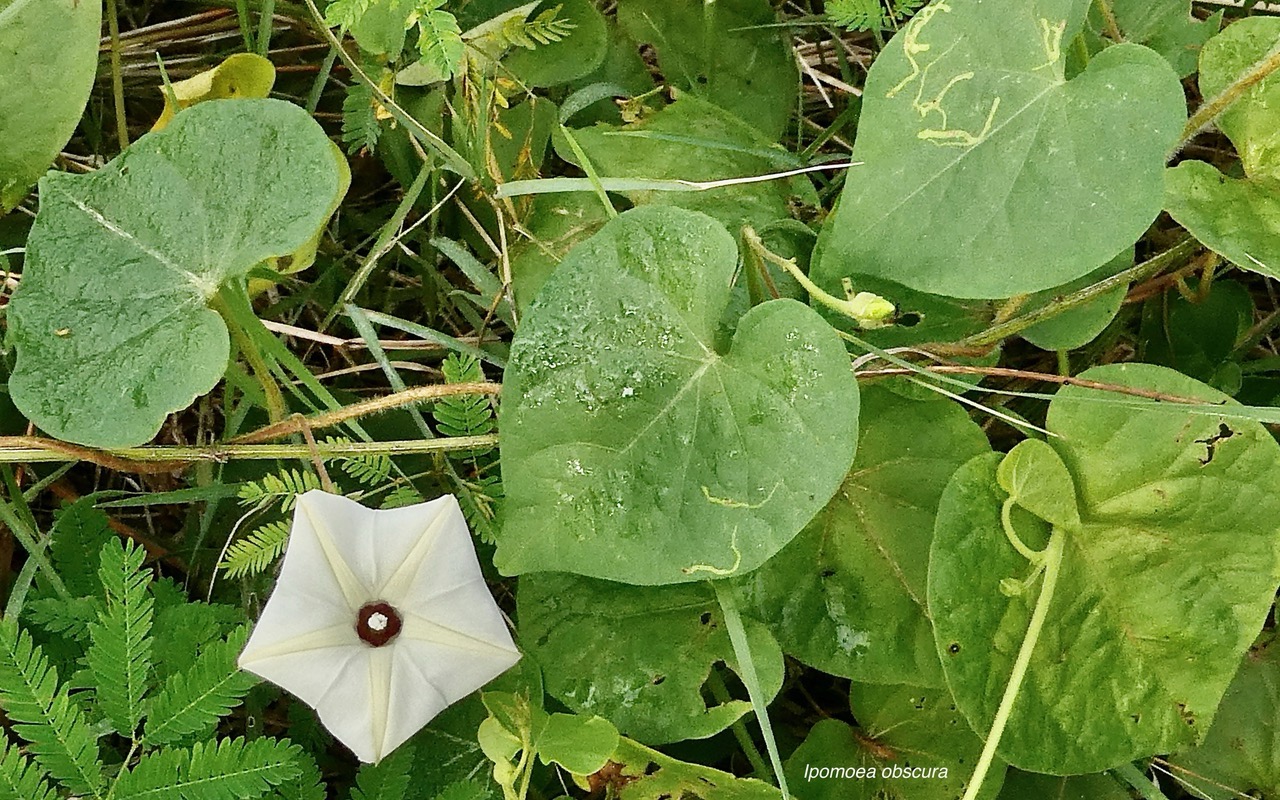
(701, 80)
(657, 681)
(651, 768)
(953, 648)
(909, 319)
(827, 573)
(705, 619)
(1211, 442)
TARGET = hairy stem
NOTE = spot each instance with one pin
(1209, 111)
(1137, 272)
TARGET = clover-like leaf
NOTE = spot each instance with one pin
(987, 173)
(633, 449)
(1237, 217)
(847, 595)
(1159, 590)
(48, 57)
(111, 321)
(595, 643)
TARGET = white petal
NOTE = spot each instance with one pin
(439, 564)
(410, 539)
(340, 528)
(454, 672)
(421, 560)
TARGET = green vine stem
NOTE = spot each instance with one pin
(867, 310)
(232, 304)
(1052, 566)
(1209, 111)
(117, 75)
(163, 458)
(1137, 272)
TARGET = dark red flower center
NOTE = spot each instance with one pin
(378, 623)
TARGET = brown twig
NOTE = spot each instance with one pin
(325, 419)
(1047, 377)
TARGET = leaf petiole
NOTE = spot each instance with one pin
(1052, 566)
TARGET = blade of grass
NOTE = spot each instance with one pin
(747, 671)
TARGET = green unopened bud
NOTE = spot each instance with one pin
(871, 310)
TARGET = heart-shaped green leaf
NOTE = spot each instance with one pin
(695, 140)
(915, 730)
(847, 595)
(1166, 26)
(111, 321)
(1239, 754)
(987, 173)
(731, 53)
(1161, 588)
(1237, 217)
(634, 450)
(48, 57)
(595, 643)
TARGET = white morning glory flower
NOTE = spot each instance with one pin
(379, 620)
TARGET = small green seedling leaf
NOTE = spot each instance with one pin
(581, 745)
(974, 141)
(1035, 478)
(1162, 587)
(635, 450)
(111, 322)
(48, 58)
(847, 595)
(1237, 217)
(595, 643)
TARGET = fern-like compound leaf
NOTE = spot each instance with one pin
(70, 617)
(43, 714)
(190, 703)
(282, 487)
(309, 785)
(463, 415)
(119, 653)
(440, 39)
(79, 532)
(230, 769)
(386, 780)
(20, 778)
(467, 789)
(360, 126)
(345, 13)
(256, 552)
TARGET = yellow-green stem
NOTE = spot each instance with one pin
(1209, 111)
(117, 75)
(1052, 566)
